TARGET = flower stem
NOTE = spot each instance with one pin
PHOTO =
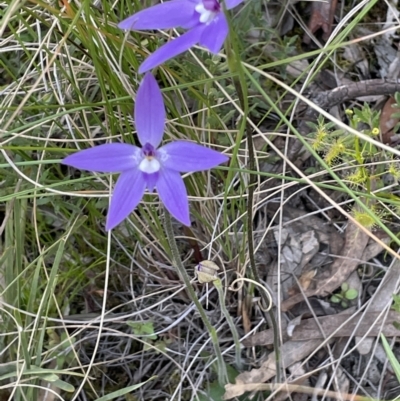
(218, 285)
(239, 81)
(222, 374)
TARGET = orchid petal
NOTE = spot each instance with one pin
(192, 22)
(188, 157)
(172, 49)
(107, 158)
(172, 192)
(170, 14)
(127, 194)
(151, 180)
(149, 112)
(215, 34)
(232, 3)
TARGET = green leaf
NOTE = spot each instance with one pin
(335, 299)
(214, 390)
(396, 305)
(143, 329)
(69, 388)
(123, 391)
(396, 325)
(345, 287)
(161, 346)
(35, 371)
(351, 294)
(50, 375)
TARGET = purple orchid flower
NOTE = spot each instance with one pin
(204, 19)
(147, 167)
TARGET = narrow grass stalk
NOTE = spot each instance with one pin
(218, 285)
(222, 374)
(392, 358)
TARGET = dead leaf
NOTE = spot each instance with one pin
(384, 46)
(375, 248)
(386, 122)
(305, 279)
(381, 299)
(322, 15)
(299, 244)
(328, 281)
(292, 324)
(343, 325)
(265, 337)
(290, 353)
(297, 67)
(355, 54)
(359, 325)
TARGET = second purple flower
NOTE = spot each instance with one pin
(204, 19)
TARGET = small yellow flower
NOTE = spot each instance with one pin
(375, 131)
(349, 112)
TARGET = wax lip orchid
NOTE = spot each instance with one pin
(147, 167)
(204, 19)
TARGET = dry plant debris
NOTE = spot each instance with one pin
(387, 122)
(340, 325)
(236, 390)
(328, 281)
(322, 15)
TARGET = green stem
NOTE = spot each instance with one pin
(239, 81)
(218, 285)
(222, 374)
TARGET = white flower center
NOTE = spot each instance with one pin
(149, 165)
(206, 16)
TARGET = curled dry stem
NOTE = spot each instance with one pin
(249, 280)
